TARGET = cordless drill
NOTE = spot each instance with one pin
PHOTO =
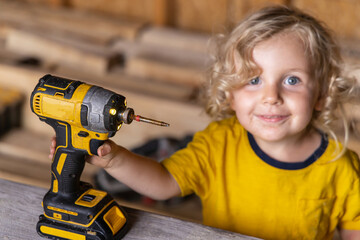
(83, 117)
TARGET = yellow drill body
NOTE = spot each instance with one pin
(67, 110)
(83, 117)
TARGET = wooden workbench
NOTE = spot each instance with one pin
(20, 206)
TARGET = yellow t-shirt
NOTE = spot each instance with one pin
(244, 190)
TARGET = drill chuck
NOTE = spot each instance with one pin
(126, 116)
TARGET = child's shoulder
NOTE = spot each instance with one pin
(222, 128)
(227, 123)
(349, 158)
(353, 159)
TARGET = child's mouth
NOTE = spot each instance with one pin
(273, 118)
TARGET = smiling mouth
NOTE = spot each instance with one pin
(273, 118)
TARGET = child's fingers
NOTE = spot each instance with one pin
(97, 161)
(52, 147)
(52, 151)
(104, 155)
(104, 149)
(53, 142)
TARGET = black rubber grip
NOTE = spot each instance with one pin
(68, 162)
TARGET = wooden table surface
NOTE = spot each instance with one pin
(20, 207)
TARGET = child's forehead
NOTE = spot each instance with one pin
(282, 52)
(284, 37)
(286, 48)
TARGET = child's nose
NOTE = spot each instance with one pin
(271, 95)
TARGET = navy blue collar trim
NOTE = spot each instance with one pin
(285, 165)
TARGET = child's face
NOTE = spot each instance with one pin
(278, 104)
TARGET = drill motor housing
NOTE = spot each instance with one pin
(90, 110)
(83, 117)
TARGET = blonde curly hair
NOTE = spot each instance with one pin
(321, 49)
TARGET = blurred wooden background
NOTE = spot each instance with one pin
(211, 15)
(154, 52)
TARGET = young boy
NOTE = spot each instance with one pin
(271, 166)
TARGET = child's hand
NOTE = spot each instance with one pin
(142, 174)
(106, 153)
(52, 147)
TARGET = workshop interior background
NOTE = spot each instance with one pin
(154, 52)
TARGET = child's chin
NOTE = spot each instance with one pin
(269, 136)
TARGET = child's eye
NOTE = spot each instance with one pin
(254, 81)
(292, 80)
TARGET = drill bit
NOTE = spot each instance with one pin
(139, 118)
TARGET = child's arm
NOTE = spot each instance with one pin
(350, 234)
(142, 174)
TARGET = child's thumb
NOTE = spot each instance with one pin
(104, 149)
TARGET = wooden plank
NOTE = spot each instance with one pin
(163, 61)
(27, 172)
(213, 16)
(162, 48)
(237, 10)
(143, 10)
(187, 210)
(10, 109)
(201, 15)
(145, 67)
(24, 158)
(64, 21)
(59, 52)
(116, 74)
(9, 57)
(160, 15)
(167, 55)
(346, 26)
(175, 38)
(27, 145)
(32, 172)
(20, 206)
(52, 3)
(4, 30)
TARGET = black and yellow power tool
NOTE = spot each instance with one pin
(83, 117)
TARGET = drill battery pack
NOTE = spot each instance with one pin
(93, 215)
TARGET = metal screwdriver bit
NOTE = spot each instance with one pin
(139, 118)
